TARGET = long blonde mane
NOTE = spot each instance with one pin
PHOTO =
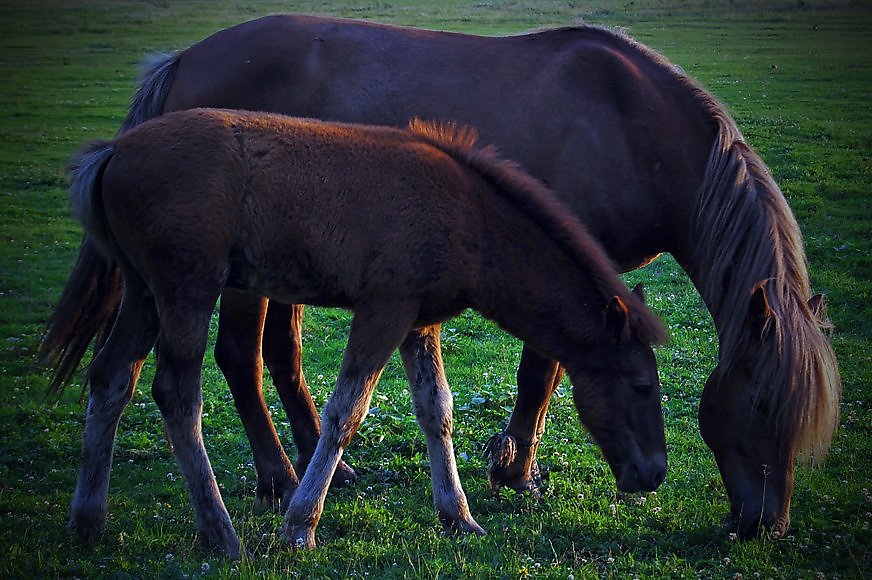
(753, 241)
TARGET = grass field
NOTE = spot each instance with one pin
(797, 76)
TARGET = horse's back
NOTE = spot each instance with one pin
(603, 122)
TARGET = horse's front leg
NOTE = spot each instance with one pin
(238, 354)
(283, 352)
(422, 358)
(376, 331)
(513, 451)
(112, 378)
(178, 393)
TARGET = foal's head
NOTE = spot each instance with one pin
(616, 391)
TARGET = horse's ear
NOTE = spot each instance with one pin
(639, 291)
(758, 308)
(818, 306)
(617, 318)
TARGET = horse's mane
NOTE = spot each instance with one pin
(754, 242)
(537, 201)
(748, 238)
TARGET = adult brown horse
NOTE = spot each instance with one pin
(405, 228)
(640, 153)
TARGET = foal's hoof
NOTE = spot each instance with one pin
(343, 476)
(461, 526)
(221, 537)
(301, 537)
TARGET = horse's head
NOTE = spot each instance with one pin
(616, 391)
(757, 472)
(753, 427)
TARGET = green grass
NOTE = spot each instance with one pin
(798, 78)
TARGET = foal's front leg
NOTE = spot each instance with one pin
(422, 357)
(376, 331)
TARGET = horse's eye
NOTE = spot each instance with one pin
(643, 388)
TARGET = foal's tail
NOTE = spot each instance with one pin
(90, 299)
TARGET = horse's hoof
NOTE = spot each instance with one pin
(461, 526)
(471, 527)
(343, 476)
(86, 529)
(273, 495)
(507, 466)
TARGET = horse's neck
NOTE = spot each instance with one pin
(744, 236)
(539, 295)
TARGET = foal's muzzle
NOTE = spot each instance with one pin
(642, 475)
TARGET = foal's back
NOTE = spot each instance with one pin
(296, 209)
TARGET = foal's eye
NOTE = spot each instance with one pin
(643, 388)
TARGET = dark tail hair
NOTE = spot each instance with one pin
(156, 74)
(90, 299)
(85, 311)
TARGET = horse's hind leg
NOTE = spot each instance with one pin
(112, 378)
(376, 331)
(422, 357)
(513, 451)
(283, 352)
(176, 389)
(238, 354)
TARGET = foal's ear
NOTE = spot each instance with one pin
(617, 318)
(639, 291)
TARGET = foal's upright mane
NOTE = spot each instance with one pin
(537, 201)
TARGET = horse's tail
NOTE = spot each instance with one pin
(93, 291)
(536, 200)
(90, 299)
(156, 76)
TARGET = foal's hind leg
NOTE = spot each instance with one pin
(112, 378)
(238, 353)
(283, 352)
(176, 389)
(376, 331)
(513, 452)
(422, 357)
